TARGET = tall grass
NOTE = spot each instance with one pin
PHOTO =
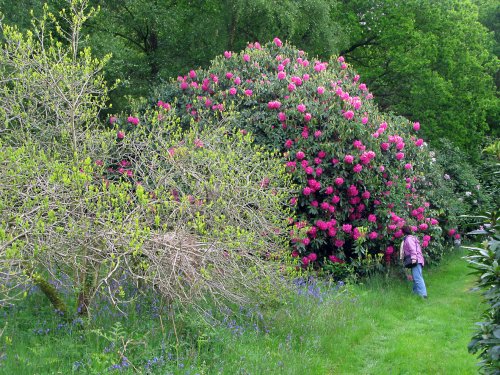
(377, 327)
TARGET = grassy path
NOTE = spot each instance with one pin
(384, 329)
(407, 335)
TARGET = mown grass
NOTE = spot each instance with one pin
(378, 327)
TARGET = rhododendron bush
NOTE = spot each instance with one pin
(361, 173)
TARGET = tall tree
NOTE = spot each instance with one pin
(427, 60)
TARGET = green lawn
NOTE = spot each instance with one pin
(375, 328)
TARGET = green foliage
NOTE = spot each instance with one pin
(485, 261)
(489, 171)
(52, 90)
(468, 194)
(430, 61)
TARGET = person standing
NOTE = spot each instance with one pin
(411, 247)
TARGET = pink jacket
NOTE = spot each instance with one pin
(412, 247)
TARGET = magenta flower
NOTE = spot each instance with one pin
(389, 250)
(384, 146)
(232, 91)
(357, 168)
(325, 206)
(349, 115)
(362, 87)
(274, 104)
(423, 226)
(373, 235)
(341, 59)
(339, 243)
(120, 135)
(312, 257)
(192, 74)
(320, 90)
(419, 142)
(408, 166)
(339, 181)
(352, 191)
(278, 42)
(349, 159)
(364, 121)
(112, 119)
(307, 117)
(301, 108)
(297, 80)
(307, 190)
(246, 57)
(416, 126)
(372, 218)
(329, 190)
(400, 156)
(347, 228)
(291, 87)
(227, 54)
(317, 134)
(229, 75)
(133, 120)
(288, 143)
(281, 75)
(248, 92)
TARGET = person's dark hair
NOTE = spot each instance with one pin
(406, 229)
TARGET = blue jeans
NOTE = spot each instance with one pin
(418, 281)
